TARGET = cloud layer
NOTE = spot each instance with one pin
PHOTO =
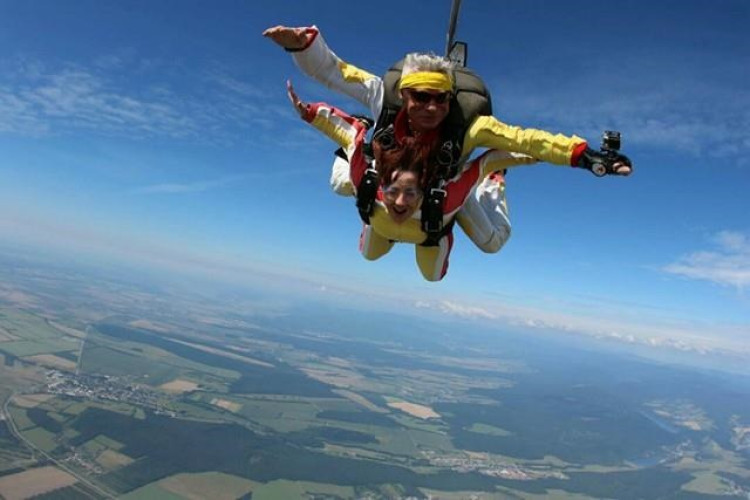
(726, 265)
(118, 97)
(187, 187)
(655, 100)
(654, 332)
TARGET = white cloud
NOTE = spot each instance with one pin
(666, 104)
(75, 99)
(233, 84)
(727, 265)
(654, 331)
(181, 187)
(119, 96)
(191, 187)
(16, 116)
(456, 309)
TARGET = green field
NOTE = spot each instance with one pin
(293, 490)
(32, 347)
(153, 366)
(20, 419)
(280, 415)
(42, 438)
(74, 408)
(151, 492)
(490, 430)
(24, 325)
(201, 485)
(94, 447)
(12, 452)
(32, 335)
(106, 361)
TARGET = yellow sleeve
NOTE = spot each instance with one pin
(494, 160)
(320, 63)
(337, 125)
(489, 132)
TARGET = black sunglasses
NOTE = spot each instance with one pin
(425, 97)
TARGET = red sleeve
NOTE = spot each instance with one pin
(357, 161)
(311, 110)
(314, 108)
(458, 189)
(577, 152)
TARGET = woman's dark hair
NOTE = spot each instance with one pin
(406, 155)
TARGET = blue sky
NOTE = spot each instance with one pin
(159, 133)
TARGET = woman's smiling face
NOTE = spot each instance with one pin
(402, 196)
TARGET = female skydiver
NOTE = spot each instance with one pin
(404, 172)
(426, 89)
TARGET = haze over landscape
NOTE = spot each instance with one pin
(118, 381)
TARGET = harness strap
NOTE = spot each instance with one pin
(432, 208)
(432, 216)
(433, 238)
(368, 186)
(366, 193)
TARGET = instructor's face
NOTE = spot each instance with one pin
(426, 108)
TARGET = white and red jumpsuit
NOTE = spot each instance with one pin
(378, 237)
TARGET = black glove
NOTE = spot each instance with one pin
(601, 163)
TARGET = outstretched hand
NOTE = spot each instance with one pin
(623, 169)
(299, 106)
(602, 163)
(289, 38)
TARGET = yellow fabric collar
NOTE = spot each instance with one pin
(427, 80)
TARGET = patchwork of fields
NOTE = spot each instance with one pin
(163, 405)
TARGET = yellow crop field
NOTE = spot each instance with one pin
(34, 482)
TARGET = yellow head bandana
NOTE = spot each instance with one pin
(432, 80)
